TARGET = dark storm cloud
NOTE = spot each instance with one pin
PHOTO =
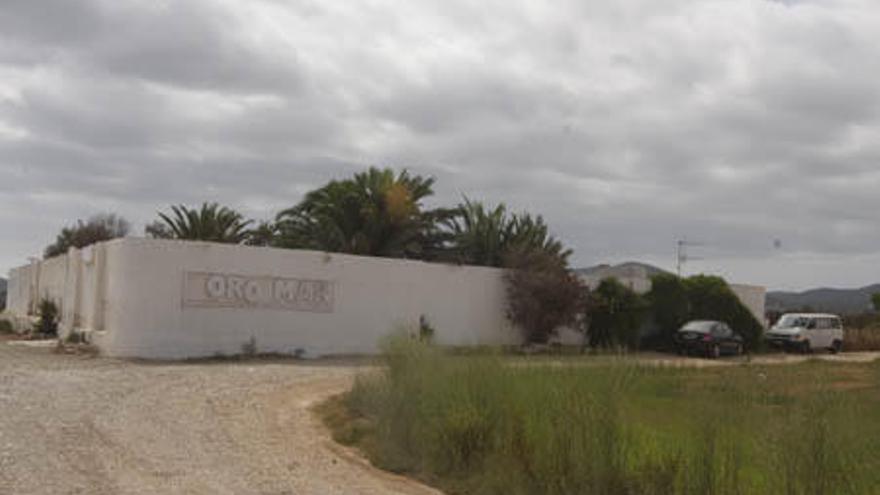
(627, 124)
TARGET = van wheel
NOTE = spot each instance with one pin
(836, 347)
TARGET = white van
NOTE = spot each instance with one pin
(806, 332)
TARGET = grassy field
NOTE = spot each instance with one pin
(480, 425)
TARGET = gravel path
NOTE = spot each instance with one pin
(81, 425)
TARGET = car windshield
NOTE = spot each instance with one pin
(698, 326)
(791, 321)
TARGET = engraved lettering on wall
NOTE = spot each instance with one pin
(220, 290)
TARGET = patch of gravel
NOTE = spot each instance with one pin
(73, 424)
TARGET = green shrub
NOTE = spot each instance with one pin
(6, 327)
(47, 324)
(616, 315)
(669, 303)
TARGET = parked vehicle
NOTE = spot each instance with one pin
(708, 338)
(805, 332)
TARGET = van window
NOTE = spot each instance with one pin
(791, 321)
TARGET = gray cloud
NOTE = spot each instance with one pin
(627, 124)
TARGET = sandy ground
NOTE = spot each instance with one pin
(83, 425)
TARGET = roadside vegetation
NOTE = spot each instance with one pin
(862, 332)
(492, 425)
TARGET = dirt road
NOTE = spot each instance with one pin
(80, 425)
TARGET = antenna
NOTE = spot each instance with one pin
(682, 256)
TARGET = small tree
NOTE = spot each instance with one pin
(668, 299)
(617, 315)
(542, 293)
(98, 228)
(875, 300)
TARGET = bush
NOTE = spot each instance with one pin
(47, 324)
(542, 293)
(669, 303)
(616, 315)
(6, 327)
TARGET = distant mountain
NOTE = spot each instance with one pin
(623, 268)
(840, 301)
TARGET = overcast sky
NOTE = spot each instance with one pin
(627, 124)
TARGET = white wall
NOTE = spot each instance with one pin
(154, 299)
(149, 298)
(753, 297)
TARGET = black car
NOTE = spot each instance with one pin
(708, 338)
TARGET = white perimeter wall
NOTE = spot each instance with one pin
(753, 297)
(150, 298)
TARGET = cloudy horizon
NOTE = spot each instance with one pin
(750, 126)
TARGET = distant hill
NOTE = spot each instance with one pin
(841, 301)
(628, 267)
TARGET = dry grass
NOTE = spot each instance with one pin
(476, 425)
(862, 339)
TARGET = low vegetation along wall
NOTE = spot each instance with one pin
(173, 299)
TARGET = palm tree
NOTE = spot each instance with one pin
(483, 236)
(211, 222)
(376, 213)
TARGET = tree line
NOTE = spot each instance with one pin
(380, 212)
(374, 213)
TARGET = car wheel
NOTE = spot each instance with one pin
(836, 347)
(805, 347)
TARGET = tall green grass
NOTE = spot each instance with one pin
(491, 425)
